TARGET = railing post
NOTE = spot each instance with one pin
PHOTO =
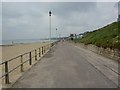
(45, 48)
(21, 60)
(30, 58)
(42, 50)
(48, 47)
(6, 73)
(39, 52)
(35, 54)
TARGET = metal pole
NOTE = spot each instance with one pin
(50, 28)
(59, 36)
(56, 34)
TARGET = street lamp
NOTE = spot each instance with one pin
(56, 34)
(50, 28)
(59, 36)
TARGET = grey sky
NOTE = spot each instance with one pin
(22, 20)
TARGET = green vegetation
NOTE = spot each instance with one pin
(106, 37)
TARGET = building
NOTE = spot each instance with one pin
(118, 18)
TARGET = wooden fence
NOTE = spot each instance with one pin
(37, 53)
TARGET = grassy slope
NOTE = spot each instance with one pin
(106, 37)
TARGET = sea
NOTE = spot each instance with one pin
(22, 41)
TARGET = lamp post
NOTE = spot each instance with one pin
(50, 28)
(56, 34)
(59, 36)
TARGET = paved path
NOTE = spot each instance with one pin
(65, 66)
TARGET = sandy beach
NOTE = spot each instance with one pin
(11, 51)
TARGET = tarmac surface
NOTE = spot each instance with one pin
(70, 66)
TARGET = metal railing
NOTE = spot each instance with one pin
(37, 53)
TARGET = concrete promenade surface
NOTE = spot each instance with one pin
(70, 66)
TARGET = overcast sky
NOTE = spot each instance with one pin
(29, 20)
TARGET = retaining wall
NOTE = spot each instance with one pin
(110, 53)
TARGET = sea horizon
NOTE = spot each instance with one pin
(23, 41)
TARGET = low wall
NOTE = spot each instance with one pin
(110, 53)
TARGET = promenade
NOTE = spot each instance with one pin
(70, 66)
